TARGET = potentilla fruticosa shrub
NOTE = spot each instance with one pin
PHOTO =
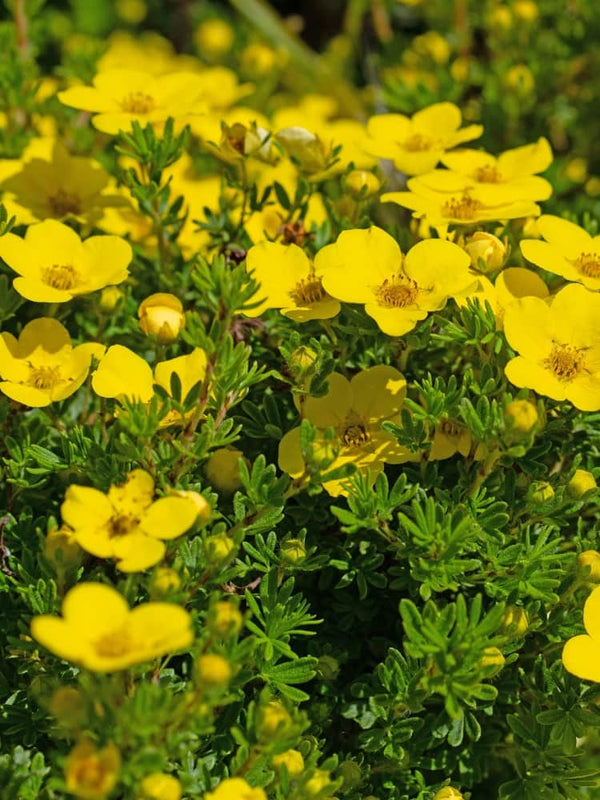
(300, 403)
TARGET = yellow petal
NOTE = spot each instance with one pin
(122, 373)
(591, 614)
(332, 409)
(569, 238)
(395, 321)
(526, 160)
(85, 507)
(190, 369)
(46, 333)
(94, 607)
(439, 119)
(528, 326)
(86, 98)
(323, 309)
(58, 637)
(28, 395)
(548, 256)
(378, 392)
(107, 260)
(440, 264)
(584, 393)
(137, 552)
(581, 657)
(516, 282)
(39, 292)
(531, 375)
(575, 312)
(163, 627)
(169, 517)
(290, 455)
(278, 269)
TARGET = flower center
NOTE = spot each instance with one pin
(465, 208)
(90, 773)
(138, 103)
(450, 428)
(121, 525)
(588, 264)
(309, 290)
(63, 203)
(61, 276)
(488, 174)
(565, 361)
(397, 292)
(114, 644)
(418, 142)
(353, 432)
(44, 377)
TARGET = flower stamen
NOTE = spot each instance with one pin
(588, 264)
(463, 208)
(44, 377)
(61, 276)
(64, 203)
(565, 361)
(138, 103)
(398, 291)
(308, 290)
(488, 174)
(418, 142)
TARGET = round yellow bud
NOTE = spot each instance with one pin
(540, 492)
(68, 706)
(520, 78)
(526, 10)
(160, 786)
(304, 146)
(161, 316)
(292, 760)
(581, 483)
(163, 581)
(492, 657)
(501, 18)
(110, 298)
(131, 11)
(515, 620)
(214, 38)
(460, 69)
(448, 793)
(486, 251)
(201, 503)
(318, 781)
(302, 360)
(61, 549)
(222, 469)
(218, 548)
(362, 184)
(576, 170)
(293, 551)
(273, 719)
(592, 187)
(213, 671)
(521, 416)
(224, 619)
(258, 60)
(589, 564)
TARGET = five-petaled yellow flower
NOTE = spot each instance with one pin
(355, 409)
(120, 96)
(55, 265)
(367, 266)
(558, 345)
(417, 144)
(569, 251)
(581, 654)
(99, 632)
(235, 789)
(42, 366)
(91, 773)
(290, 281)
(127, 523)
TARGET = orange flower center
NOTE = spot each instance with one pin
(89, 773)
(588, 264)
(418, 142)
(488, 174)
(354, 432)
(465, 208)
(114, 644)
(138, 103)
(565, 361)
(63, 203)
(450, 428)
(61, 276)
(309, 290)
(44, 377)
(398, 291)
(121, 525)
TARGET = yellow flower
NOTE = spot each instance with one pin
(203, 509)
(222, 469)
(92, 773)
(367, 266)
(161, 315)
(224, 619)
(99, 632)
(589, 564)
(160, 786)
(127, 524)
(515, 620)
(448, 793)
(55, 265)
(450, 437)
(235, 789)
(558, 346)
(568, 251)
(581, 482)
(355, 409)
(458, 208)
(52, 184)
(214, 37)
(581, 654)
(41, 366)
(290, 282)
(120, 96)
(272, 720)
(417, 144)
(509, 177)
(292, 760)
(213, 671)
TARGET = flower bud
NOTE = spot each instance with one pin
(526, 10)
(110, 298)
(328, 668)
(273, 720)
(224, 619)
(521, 417)
(92, 773)
(218, 548)
(131, 11)
(213, 672)
(68, 706)
(487, 252)
(540, 492)
(201, 503)
(576, 170)
(589, 565)
(501, 18)
(222, 469)
(581, 483)
(164, 580)
(492, 657)
(448, 793)
(160, 786)
(305, 146)
(292, 760)
(302, 361)
(362, 184)
(515, 620)
(213, 38)
(319, 781)
(61, 549)
(293, 551)
(161, 316)
(258, 60)
(520, 78)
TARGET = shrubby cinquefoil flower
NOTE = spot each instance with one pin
(581, 654)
